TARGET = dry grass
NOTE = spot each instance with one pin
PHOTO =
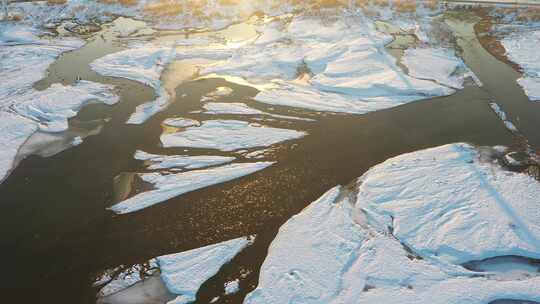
(163, 8)
(121, 2)
(229, 2)
(431, 4)
(56, 2)
(405, 6)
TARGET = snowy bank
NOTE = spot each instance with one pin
(402, 232)
(522, 48)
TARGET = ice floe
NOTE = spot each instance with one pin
(232, 287)
(54, 106)
(219, 92)
(238, 108)
(437, 64)
(167, 186)
(180, 122)
(14, 131)
(181, 161)
(228, 135)
(144, 64)
(502, 116)
(185, 272)
(125, 278)
(401, 233)
(182, 274)
(522, 48)
(24, 113)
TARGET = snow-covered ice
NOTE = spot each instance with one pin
(54, 106)
(182, 273)
(180, 122)
(167, 186)
(217, 93)
(522, 48)
(437, 64)
(503, 117)
(125, 278)
(238, 108)
(531, 86)
(350, 70)
(14, 131)
(401, 234)
(144, 64)
(229, 135)
(185, 272)
(181, 161)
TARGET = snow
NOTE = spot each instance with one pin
(172, 279)
(145, 64)
(14, 131)
(185, 272)
(180, 122)
(238, 108)
(124, 279)
(181, 300)
(531, 86)
(232, 287)
(437, 64)
(181, 161)
(228, 135)
(341, 67)
(402, 232)
(55, 105)
(522, 48)
(354, 66)
(29, 57)
(502, 116)
(24, 110)
(217, 93)
(167, 186)
(77, 140)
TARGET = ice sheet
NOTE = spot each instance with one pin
(145, 64)
(229, 135)
(185, 272)
(402, 231)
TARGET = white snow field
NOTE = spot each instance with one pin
(182, 274)
(167, 186)
(522, 48)
(403, 231)
(144, 64)
(181, 161)
(228, 135)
